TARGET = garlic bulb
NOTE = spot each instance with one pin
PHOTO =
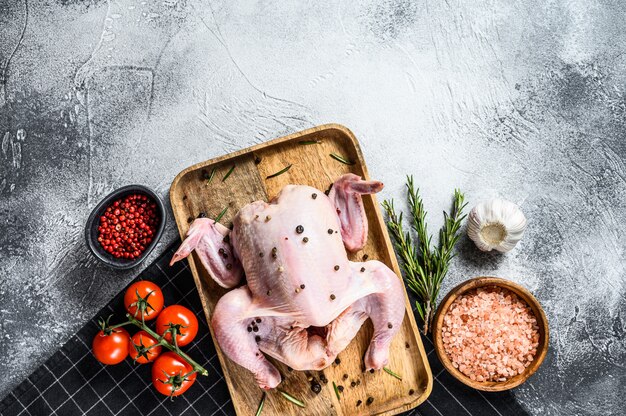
(496, 225)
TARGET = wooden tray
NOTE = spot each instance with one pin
(312, 165)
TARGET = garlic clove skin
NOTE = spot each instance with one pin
(496, 225)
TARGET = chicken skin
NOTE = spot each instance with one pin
(304, 301)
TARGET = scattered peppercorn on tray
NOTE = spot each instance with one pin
(314, 157)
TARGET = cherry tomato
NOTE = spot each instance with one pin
(180, 318)
(143, 295)
(138, 347)
(112, 348)
(178, 379)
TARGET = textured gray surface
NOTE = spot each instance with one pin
(524, 100)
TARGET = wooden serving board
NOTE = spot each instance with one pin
(191, 194)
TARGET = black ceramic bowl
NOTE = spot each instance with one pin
(91, 228)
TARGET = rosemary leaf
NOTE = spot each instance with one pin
(424, 265)
(336, 391)
(261, 404)
(219, 217)
(291, 398)
(419, 308)
(391, 373)
(305, 142)
(232, 168)
(210, 178)
(280, 172)
(341, 159)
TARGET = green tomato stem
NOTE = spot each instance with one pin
(162, 341)
(111, 327)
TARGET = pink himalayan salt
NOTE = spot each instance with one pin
(490, 334)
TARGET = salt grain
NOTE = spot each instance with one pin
(490, 334)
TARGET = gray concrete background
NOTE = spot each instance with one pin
(524, 100)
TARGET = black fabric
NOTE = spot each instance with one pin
(72, 382)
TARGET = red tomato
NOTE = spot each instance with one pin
(178, 379)
(143, 295)
(113, 348)
(138, 347)
(181, 318)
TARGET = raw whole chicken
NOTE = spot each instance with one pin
(303, 301)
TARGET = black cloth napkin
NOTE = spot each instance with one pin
(72, 382)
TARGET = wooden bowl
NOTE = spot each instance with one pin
(520, 291)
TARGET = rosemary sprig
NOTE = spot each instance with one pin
(305, 142)
(221, 214)
(280, 172)
(291, 398)
(261, 404)
(391, 373)
(425, 265)
(232, 168)
(341, 159)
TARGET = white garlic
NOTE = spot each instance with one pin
(496, 225)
